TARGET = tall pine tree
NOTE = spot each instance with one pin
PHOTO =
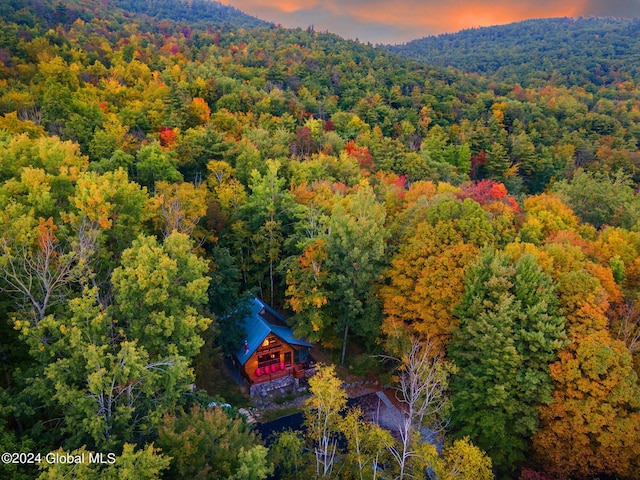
(510, 331)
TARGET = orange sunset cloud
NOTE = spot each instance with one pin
(382, 21)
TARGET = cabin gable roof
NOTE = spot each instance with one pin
(258, 323)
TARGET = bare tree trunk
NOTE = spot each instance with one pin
(271, 281)
(628, 328)
(422, 387)
(344, 344)
(37, 280)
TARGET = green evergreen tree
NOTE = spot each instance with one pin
(154, 165)
(356, 255)
(497, 162)
(510, 330)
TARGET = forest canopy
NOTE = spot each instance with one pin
(479, 230)
(567, 51)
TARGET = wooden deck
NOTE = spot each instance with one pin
(298, 371)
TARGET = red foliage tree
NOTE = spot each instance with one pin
(488, 191)
(361, 154)
(168, 136)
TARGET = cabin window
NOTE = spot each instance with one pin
(268, 359)
(270, 344)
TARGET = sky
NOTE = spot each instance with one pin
(398, 21)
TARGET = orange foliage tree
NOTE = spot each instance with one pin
(592, 427)
(426, 279)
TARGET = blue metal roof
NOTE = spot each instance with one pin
(258, 328)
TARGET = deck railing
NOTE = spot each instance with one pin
(298, 371)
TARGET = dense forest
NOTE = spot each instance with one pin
(557, 51)
(475, 240)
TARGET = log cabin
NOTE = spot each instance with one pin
(271, 356)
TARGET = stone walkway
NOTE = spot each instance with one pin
(390, 417)
(379, 409)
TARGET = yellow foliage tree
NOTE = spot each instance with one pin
(179, 207)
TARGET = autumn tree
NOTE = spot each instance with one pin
(594, 419)
(625, 325)
(109, 211)
(323, 416)
(367, 447)
(179, 207)
(38, 180)
(425, 281)
(339, 441)
(592, 429)
(308, 293)
(546, 215)
(462, 460)
(160, 290)
(439, 239)
(36, 270)
(146, 463)
(58, 159)
(335, 266)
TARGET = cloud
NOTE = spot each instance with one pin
(324, 16)
(613, 8)
(384, 21)
(346, 26)
(434, 17)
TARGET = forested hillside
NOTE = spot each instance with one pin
(155, 170)
(145, 12)
(558, 51)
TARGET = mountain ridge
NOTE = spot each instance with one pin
(196, 12)
(575, 51)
